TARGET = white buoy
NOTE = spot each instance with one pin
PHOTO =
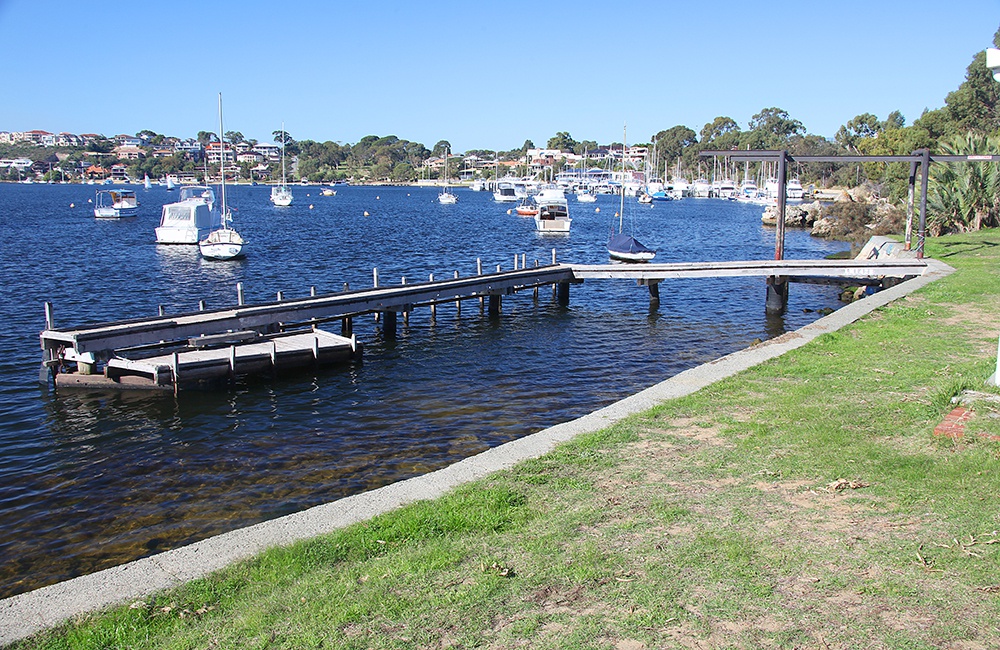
(597, 209)
(377, 198)
(72, 205)
(310, 206)
(366, 213)
(508, 211)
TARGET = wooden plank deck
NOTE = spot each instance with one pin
(271, 317)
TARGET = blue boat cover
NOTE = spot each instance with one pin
(622, 243)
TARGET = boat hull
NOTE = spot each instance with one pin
(222, 245)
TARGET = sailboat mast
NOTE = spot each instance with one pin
(621, 211)
(222, 162)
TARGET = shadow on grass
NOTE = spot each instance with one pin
(965, 247)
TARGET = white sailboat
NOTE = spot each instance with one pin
(281, 195)
(621, 246)
(146, 183)
(445, 196)
(224, 243)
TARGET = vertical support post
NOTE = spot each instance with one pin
(274, 355)
(346, 326)
(232, 361)
(389, 325)
(434, 309)
(458, 303)
(375, 284)
(777, 294)
(495, 302)
(563, 294)
(479, 266)
(553, 257)
(239, 294)
(515, 261)
(779, 234)
(160, 310)
(281, 296)
(312, 291)
(201, 305)
(175, 371)
(654, 292)
(347, 287)
(910, 192)
(522, 261)
(406, 314)
(925, 165)
(50, 321)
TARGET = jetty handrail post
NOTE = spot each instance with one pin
(239, 294)
(553, 257)
(375, 285)
(430, 278)
(201, 305)
(406, 313)
(160, 311)
(910, 192)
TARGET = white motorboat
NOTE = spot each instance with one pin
(553, 211)
(115, 204)
(191, 219)
(223, 243)
(281, 195)
(586, 196)
(701, 188)
(505, 193)
(793, 190)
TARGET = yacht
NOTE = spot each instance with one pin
(115, 204)
(505, 193)
(701, 188)
(191, 219)
(793, 190)
(553, 211)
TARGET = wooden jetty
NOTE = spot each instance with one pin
(206, 346)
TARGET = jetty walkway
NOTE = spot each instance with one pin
(164, 352)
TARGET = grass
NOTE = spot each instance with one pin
(802, 503)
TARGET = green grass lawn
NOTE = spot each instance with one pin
(803, 503)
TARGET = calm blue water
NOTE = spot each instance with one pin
(89, 480)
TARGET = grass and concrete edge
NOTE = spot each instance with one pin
(25, 614)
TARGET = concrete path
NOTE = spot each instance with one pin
(25, 614)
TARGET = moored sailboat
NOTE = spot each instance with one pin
(224, 243)
(281, 195)
(620, 245)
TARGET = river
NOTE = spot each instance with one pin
(89, 480)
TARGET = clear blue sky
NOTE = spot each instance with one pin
(482, 75)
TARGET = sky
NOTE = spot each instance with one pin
(481, 75)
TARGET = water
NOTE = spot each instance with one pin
(92, 479)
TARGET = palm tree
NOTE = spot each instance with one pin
(964, 196)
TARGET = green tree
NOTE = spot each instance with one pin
(717, 129)
(440, 148)
(234, 136)
(562, 141)
(205, 137)
(975, 105)
(584, 146)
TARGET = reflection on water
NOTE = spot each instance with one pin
(89, 480)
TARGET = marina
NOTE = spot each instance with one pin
(91, 479)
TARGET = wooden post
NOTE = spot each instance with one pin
(406, 313)
(346, 326)
(925, 165)
(389, 325)
(434, 310)
(777, 294)
(563, 294)
(654, 292)
(495, 301)
(281, 296)
(553, 256)
(911, 186)
(160, 310)
(201, 305)
(239, 294)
